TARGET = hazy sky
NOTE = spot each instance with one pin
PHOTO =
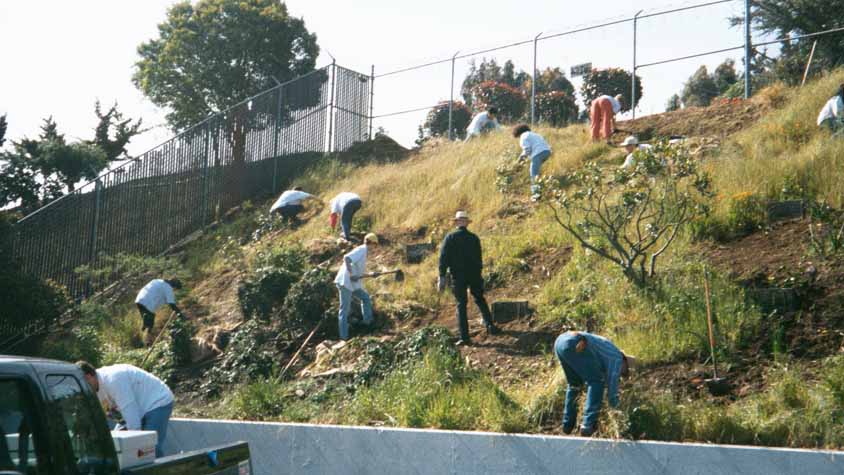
(59, 56)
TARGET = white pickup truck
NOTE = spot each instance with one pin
(51, 423)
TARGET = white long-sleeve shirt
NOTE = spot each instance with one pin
(479, 122)
(831, 110)
(155, 294)
(629, 161)
(532, 144)
(290, 197)
(132, 391)
(356, 259)
(339, 202)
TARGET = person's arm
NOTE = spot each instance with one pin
(124, 399)
(171, 300)
(613, 375)
(480, 253)
(444, 257)
(525, 146)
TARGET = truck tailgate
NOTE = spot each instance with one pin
(228, 459)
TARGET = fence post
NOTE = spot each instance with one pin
(92, 250)
(747, 89)
(205, 175)
(371, 99)
(451, 97)
(533, 82)
(633, 78)
(331, 105)
(276, 133)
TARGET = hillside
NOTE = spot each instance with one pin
(781, 356)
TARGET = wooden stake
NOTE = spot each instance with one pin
(809, 63)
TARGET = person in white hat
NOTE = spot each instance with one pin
(631, 144)
(348, 282)
(461, 256)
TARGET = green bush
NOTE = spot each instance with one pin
(436, 122)
(510, 101)
(611, 81)
(261, 294)
(248, 356)
(258, 401)
(556, 108)
(181, 332)
(309, 299)
(82, 341)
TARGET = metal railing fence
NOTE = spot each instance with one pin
(157, 199)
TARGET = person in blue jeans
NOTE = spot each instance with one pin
(343, 208)
(595, 362)
(537, 149)
(143, 400)
(348, 282)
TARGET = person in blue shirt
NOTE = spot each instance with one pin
(595, 362)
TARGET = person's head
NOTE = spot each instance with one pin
(297, 188)
(461, 219)
(626, 363)
(493, 111)
(90, 374)
(619, 97)
(175, 283)
(630, 144)
(520, 129)
(371, 239)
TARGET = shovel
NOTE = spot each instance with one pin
(716, 386)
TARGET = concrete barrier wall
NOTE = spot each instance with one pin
(319, 449)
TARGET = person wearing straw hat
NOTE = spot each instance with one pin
(602, 116)
(460, 255)
(631, 144)
(482, 123)
(595, 362)
(152, 296)
(348, 282)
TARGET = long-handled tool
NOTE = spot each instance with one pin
(299, 351)
(399, 275)
(716, 386)
(152, 345)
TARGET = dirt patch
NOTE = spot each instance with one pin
(718, 120)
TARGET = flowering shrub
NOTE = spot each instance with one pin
(436, 123)
(511, 102)
(556, 108)
(610, 81)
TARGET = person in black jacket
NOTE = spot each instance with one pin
(460, 254)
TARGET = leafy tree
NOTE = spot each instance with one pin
(551, 80)
(211, 55)
(511, 102)
(557, 108)
(700, 89)
(490, 71)
(631, 216)
(784, 18)
(3, 126)
(436, 123)
(113, 133)
(725, 75)
(673, 103)
(611, 82)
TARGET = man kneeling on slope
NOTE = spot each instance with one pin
(595, 361)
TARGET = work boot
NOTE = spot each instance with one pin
(463, 342)
(568, 428)
(588, 431)
(491, 329)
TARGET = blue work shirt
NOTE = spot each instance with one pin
(600, 361)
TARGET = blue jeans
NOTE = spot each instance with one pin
(580, 368)
(346, 305)
(535, 165)
(157, 420)
(349, 211)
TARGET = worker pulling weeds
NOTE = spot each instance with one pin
(348, 282)
(595, 362)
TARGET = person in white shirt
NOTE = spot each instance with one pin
(832, 113)
(343, 207)
(631, 144)
(482, 123)
(155, 294)
(289, 204)
(602, 116)
(143, 400)
(348, 282)
(536, 149)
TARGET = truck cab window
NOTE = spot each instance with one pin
(17, 444)
(79, 419)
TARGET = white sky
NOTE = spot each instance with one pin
(59, 56)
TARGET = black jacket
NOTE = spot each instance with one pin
(460, 253)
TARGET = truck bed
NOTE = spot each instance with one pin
(228, 459)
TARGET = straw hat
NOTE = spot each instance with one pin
(631, 140)
(370, 238)
(461, 215)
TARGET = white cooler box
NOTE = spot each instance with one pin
(134, 447)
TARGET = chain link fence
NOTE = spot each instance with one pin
(157, 199)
